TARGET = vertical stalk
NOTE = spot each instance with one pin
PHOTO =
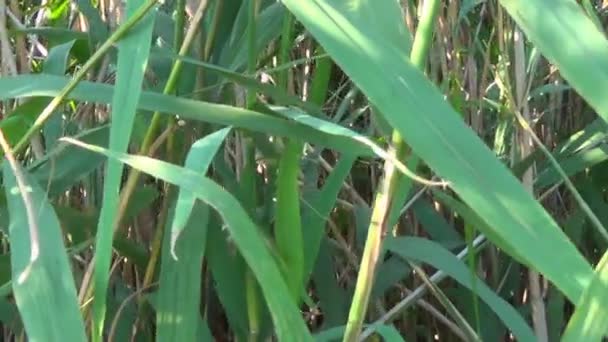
(537, 304)
(288, 223)
(384, 199)
(248, 175)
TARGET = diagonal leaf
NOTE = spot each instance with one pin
(436, 133)
(556, 28)
(432, 253)
(590, 319)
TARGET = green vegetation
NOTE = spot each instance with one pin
(304, 170)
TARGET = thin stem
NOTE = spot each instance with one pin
(248, 175)
(384, 200)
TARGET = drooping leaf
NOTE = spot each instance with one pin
(251, 244)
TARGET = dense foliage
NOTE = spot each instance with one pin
(303, 170)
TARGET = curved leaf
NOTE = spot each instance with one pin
(245, 234)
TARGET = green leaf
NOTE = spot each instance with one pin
(21, 119)
(436, 226)
(558, 36)
(178, 312)
(437, 134)
(288, 222)
(388, 333)
(432, 253)
(133, 51)
(98, 31)
(334, 300)
(573, 164)
(251, 244)
(57, 59)
(45, 286)
(228, 275)
(47, 85)
(590, 319)
(318, 205)
(199, 158)
(55, 64)
(65, 165)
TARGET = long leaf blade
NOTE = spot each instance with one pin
(180, 274)
(252, 246)
(133, 53)
(49, 286)
(430, 252)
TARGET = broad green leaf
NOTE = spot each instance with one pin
(133, 51)
(471, 218)
(568, 38)
(228, 276)
(333, 299)
(590, 319)
(47, 85)
(178, 312)
(432, 253)
(335, 129)
(268, 27)
(437, 134)
(246, 81)
(247, 237)
(45, 286)
(390, 272)
(18, 121)
(556, 302)
(178, 308)
(547, 89)
(57, 59)
(199, 158)
(591, 135)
